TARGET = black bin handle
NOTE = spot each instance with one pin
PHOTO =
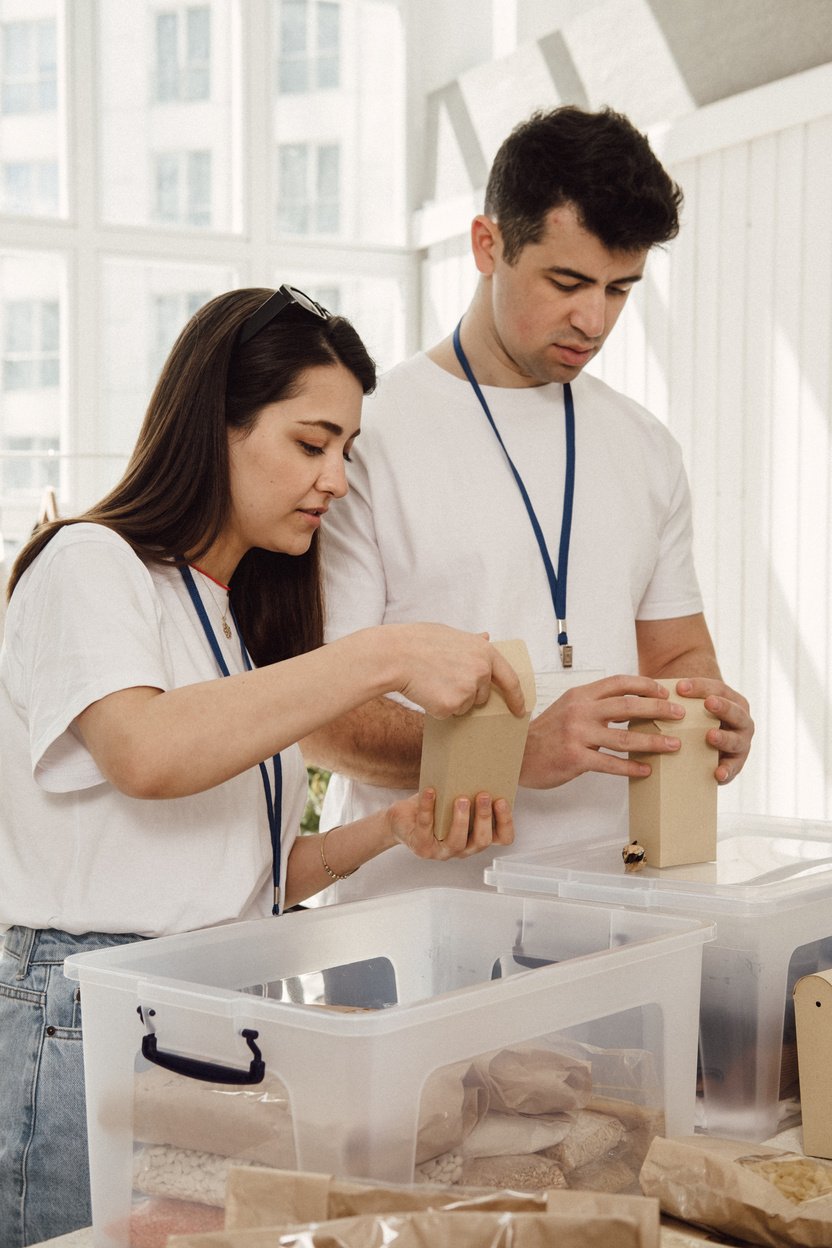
(208, 1072)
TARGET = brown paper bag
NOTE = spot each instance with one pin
(438, 1230)
(267, 1198)
(717, 1184)
(533, 1080)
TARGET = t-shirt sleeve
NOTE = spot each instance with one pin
(674, 588)
(354, 581)
(90, 628)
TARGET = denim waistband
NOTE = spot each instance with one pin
(36, 946)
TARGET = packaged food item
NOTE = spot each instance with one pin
(756, 1194)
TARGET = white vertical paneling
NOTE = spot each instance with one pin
(729, 527)
(813, 556)
(680, 412)
(784, 300)
(705, 347)
(754, 325)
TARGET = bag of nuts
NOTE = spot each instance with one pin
(754, 1193)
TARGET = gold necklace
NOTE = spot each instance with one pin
(226, 627)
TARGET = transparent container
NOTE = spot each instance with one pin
(769, 892)
(363, 1028)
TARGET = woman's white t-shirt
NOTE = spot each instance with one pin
(89, 618)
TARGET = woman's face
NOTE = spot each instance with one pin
(289, 466)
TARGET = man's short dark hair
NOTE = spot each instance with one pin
(597, 162)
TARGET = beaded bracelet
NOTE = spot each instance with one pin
(333, 875)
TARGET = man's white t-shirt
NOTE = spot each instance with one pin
(89, 618)
(435, 528)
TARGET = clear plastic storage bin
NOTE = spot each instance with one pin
(379, 1037)
(770, 894)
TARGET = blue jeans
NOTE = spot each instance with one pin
(44, 1175)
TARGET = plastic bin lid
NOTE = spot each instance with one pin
(762, 864)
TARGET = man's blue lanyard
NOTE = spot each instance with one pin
(273, 807)
(557, 581)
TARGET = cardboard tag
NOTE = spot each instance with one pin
(813, 1022)
(481, 751)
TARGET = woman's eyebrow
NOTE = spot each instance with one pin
(328, 425)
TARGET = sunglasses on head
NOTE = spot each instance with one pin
(282, 298)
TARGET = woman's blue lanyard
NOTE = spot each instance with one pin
(273, 807)
(557, 581)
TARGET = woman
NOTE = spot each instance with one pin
(163, 652)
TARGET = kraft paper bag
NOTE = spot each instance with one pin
(729, 1186)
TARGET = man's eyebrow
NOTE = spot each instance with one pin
(593, 281)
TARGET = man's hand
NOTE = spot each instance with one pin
(736, 727)
(573, 734)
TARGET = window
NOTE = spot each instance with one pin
(30, 344)
(183, 54)
(29, 67)
(328, 297)
(169, 315)
(309, 45)
(29, 465)
(183, 188)
(30, 187)
(308, 188)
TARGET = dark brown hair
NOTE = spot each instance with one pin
(597, 162)
(174, 496)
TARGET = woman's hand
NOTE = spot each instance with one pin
(489, 823)
(448, 671)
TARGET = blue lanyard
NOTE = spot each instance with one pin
(557, 581)
(273, 807)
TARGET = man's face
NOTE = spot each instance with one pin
(552, 309)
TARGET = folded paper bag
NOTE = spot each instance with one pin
(481, 751)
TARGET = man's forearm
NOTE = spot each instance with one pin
(379, 743)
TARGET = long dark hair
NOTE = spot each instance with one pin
(174, 496)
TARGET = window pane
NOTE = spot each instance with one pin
(324, 101)
(31, 135)
(375, 305)
(144, 306)
(198, 67)
(31, 396)
(166, 136)
(292, 206)
(327, 201)
(329, 26)
(167, 64)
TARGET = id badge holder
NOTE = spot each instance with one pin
(551, 685)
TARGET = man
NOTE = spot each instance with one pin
(498, 488)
